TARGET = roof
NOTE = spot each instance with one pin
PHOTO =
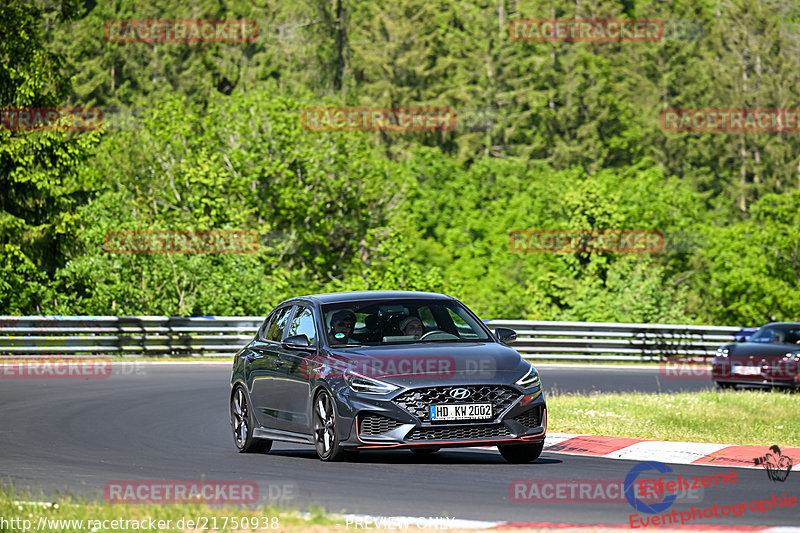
(341, 297)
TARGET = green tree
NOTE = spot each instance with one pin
(38, 179)
(242, 162)
(753, 267)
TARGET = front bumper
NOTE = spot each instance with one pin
(760, 382)
(402, 421)
(779, 373)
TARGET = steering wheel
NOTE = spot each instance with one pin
(435, 331)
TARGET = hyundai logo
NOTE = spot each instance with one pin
(459, 394)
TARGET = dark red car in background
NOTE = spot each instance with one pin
(769, 358)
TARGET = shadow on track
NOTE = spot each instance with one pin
(406, 457)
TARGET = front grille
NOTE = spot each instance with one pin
(459, 432)
(530, 418)
(418, 401)
(377, 425)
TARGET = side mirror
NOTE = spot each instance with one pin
(505, 335)
(296, 342)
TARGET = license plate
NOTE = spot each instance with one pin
(463, 411)
(746, 370)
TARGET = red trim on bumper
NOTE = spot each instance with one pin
(527, 438)
(532, 438)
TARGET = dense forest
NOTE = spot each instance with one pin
(548, 135)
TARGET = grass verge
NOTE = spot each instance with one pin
(747, 417)
(69, 514)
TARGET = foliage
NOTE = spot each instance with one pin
(39, 180)
(242, 163)
(753, 267)
(549, 135)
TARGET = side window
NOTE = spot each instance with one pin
(262, 331)
(427, 318)
(464, 330)
(275, 328)
(303, 324)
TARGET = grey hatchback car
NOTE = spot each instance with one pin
(383, 370)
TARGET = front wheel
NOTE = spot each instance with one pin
(242, 425)
(326, 440)
(521, 453)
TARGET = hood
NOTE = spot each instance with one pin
(743, 350)
(415, 365)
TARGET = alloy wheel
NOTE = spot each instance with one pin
(325, 438)
(243, 426)
(239, 418)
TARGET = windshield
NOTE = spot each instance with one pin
(380, 322)
(788, 334)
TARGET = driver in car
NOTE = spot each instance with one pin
(412, 326)
(343, 322)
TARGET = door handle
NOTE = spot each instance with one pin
(252, 355)
(279, 362)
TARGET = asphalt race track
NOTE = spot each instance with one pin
(170, 422)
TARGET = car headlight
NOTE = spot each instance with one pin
(360, 383)
(722, 352)
(530, 379)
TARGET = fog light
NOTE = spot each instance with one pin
(528, 398)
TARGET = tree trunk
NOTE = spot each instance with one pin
(341, 42)
(743, 179)
(501, 18)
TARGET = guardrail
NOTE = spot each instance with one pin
(612, 341)
(223, 336)
(129, 335)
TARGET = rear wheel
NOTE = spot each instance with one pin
(521, 453)
(326, 440)
(242, 425)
